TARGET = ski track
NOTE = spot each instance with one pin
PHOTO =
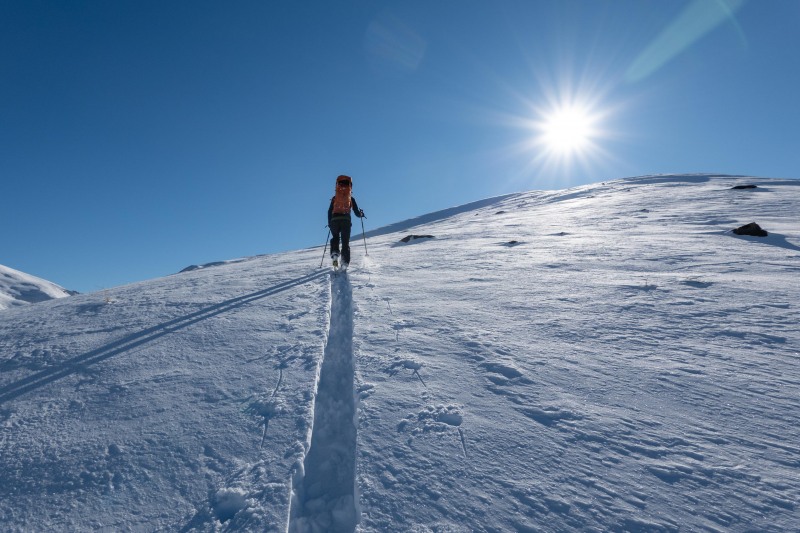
(325, 497)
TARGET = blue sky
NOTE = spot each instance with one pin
(139, 137)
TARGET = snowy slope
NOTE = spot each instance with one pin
(18, 288)
(609, 357)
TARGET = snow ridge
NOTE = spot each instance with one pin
(325, 496)
(18, 288)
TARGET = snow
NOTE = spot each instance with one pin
(18, 288)
(608, 357)
(325, 495)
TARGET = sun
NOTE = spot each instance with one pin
(567, 130)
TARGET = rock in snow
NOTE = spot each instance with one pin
(752, 229)
(409, 238)
(599, 378)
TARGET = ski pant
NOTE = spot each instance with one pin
(340, 228)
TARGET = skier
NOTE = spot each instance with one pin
(339, 219)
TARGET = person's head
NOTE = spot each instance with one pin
(344, 181)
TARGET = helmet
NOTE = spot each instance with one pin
(345, 181)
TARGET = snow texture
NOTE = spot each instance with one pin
(605, 358)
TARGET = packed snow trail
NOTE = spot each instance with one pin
(324, 499)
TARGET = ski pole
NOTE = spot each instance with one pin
(325, 249)
(364, 237)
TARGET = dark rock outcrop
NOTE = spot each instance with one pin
(752, 229)
(409, 238)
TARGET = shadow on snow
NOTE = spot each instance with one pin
(81, 362)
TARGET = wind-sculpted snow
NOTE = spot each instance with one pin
(628, 365)
(605, 358)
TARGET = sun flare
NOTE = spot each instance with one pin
(564, 130)
(567, 130)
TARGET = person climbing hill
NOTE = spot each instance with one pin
(339, 220)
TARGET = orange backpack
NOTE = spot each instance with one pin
(341, 202)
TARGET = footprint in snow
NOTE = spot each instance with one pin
(503, 373)
(439, 419)
(550, 415)
(399, 326)
(433, 418)
(503, 369)
(295, 316)
(266, 409)
(407, 364)
(365, 391)
(227, 502)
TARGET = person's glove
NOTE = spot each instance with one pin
(361, 214)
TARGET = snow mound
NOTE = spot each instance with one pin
(18, 288)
